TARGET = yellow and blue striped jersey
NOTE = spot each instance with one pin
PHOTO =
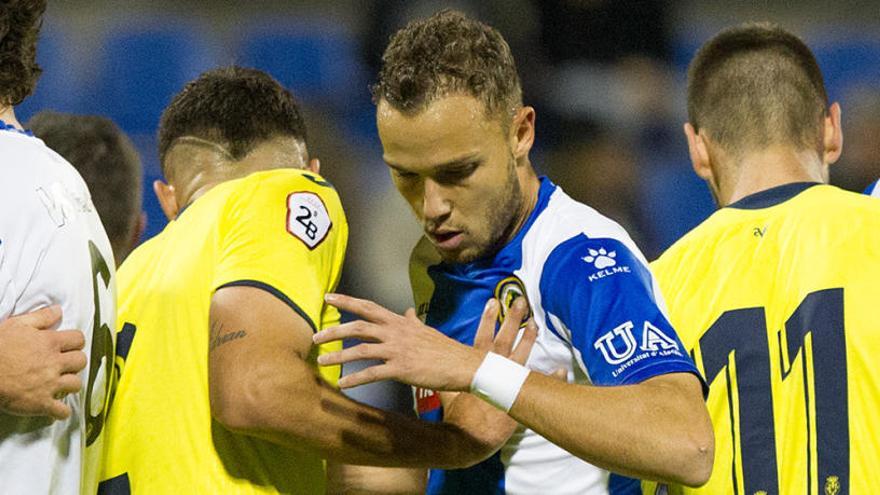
(280, 230)
(775, 297)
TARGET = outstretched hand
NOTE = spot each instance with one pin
(414, 353)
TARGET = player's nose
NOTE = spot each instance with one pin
(435, 205)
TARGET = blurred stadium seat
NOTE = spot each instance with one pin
(318, 59)
(142, 67)
(847, 62)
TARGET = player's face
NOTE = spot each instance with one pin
(456, 168)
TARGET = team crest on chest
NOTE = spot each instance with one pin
(506, 292)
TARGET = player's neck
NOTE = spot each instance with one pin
(7, 114)
(768, 169)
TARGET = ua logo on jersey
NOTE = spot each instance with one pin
(620, 344)
(653, 339)
(623, 350)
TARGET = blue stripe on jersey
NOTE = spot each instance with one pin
(9, 127)
(874, 189)
(604, 296)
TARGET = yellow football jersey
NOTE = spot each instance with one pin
(280, 230)
(776, 298)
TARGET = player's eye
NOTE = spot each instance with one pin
(458, 174)
(403, 175)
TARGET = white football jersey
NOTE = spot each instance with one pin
(53, 250)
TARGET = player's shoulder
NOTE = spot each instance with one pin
(567, 227)
(29, 162)
(845, 213)
(42, 185)
(286, 181)
(825, 195)
(288, 190)
(141, 258)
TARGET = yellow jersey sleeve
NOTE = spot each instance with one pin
(284, 231)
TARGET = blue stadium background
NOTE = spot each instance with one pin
(609, 115)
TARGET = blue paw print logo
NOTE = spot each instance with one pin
(601, 258)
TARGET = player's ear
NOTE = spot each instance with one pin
(315, 166)
(699, 152)
(833, 135)
(165, 194)
(522, 132)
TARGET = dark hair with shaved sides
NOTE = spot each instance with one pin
(234, 107)
(757, 85)
(448, 54)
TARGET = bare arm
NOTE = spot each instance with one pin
(621, 428)
(658, 429)
(487, 426)
(367, 480)
(261, 385)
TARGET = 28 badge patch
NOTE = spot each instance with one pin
(307, 218)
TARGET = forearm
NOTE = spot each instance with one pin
(488, 427)
(651, 430)
(308, 413)
(367, 480)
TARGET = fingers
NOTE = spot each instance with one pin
(58, 410)
(69, 384)
(510, 327)
(69, 340)
(560, 375)
(73, 361)
(411, 314)
(355, 353)
(371, 374)
(367, 310)
(524, 347)
(42, 319)
(486, 331)
(354, 329)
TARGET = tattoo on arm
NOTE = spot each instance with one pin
(219, 338)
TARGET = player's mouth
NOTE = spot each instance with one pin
(447, 240)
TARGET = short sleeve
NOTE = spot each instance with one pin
(284, 232)
(599, 296)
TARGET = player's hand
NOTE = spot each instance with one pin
(413, 352)
(502, 343)
(38, 365)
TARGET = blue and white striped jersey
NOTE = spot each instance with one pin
(600, 316)
(874, 189)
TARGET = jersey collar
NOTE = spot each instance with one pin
(11, 128)
(773, 196)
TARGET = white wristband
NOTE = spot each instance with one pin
(498, 381)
